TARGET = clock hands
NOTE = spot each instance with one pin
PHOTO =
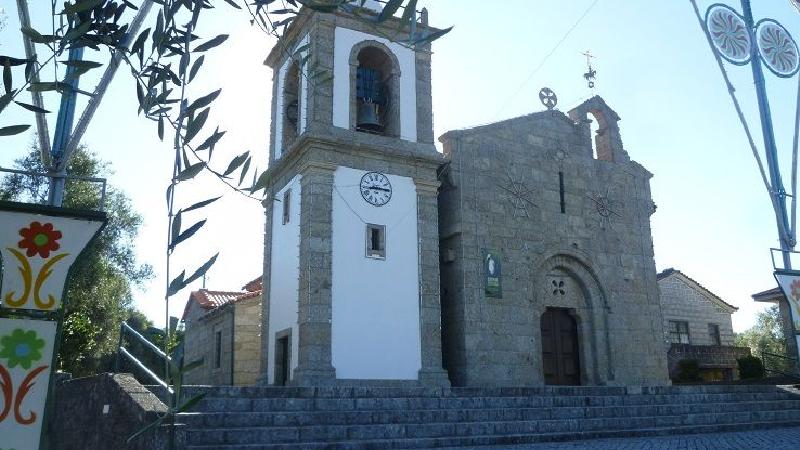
(379, 188)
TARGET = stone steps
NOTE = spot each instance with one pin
(301, 418)
(381, 418)
(475, 441)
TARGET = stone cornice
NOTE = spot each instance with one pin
(427, 186)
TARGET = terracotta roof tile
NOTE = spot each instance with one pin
(210, 300)
(254, 285)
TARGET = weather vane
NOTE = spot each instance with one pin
(590, 74)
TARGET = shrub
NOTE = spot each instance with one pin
(750, 367)
(688, 370)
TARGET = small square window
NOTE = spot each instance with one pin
(376, 241)
(287, 198)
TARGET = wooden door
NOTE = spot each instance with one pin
(282, 361)
(560, 359)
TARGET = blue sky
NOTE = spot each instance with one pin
(714, 221)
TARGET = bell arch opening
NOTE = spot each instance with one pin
(374, 89)
(291, 105)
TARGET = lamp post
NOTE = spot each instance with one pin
(740, 40)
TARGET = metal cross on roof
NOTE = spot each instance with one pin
(590, 74)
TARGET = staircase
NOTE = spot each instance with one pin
(261, 418)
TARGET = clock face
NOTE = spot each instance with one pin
(375, 188)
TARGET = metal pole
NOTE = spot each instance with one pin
(66, 114)
(770, 148)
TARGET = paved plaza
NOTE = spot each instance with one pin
(773, 439)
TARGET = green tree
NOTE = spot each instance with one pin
(766, 336)
(99, 292)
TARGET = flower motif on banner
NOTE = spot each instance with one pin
(728, 32)
(778, 49)
(21, 348)
(795, 290)
(38, 241)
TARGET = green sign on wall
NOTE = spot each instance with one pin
(492, 270)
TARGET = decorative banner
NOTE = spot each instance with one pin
(728, 33)
(778, 50)
(37, 251)
(26, 351)
(492, 272)
(790, 285)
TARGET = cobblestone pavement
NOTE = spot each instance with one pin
(773, 439)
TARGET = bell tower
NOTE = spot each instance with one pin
(351, 257)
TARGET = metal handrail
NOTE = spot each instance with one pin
(101, 181)
(780, 372)
(121, 350)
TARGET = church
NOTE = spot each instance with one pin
(520, 256)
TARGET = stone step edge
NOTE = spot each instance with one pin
(675, 401)
(301, 427)
(756, 403)
(514, 439)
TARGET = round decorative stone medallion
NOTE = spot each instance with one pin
(778, 50)
(728, 33)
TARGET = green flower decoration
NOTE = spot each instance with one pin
(21, 348)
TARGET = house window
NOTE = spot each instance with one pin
(678, 332)
(713, 333)
(376, 241)
(218, 350)
(287, 197)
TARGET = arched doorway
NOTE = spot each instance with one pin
(560, 353)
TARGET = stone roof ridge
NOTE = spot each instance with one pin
(556, 113)
(672, 271)
(254, 285)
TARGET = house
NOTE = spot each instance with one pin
(697, 326)
(224, 330)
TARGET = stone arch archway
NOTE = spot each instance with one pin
(566, 280)
(391, 80)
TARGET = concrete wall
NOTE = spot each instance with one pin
(375, 328)
(102, 412)
(683, 301)
(284, 273)
(502, 192)
(247, 344)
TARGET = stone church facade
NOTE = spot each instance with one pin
(517, 257)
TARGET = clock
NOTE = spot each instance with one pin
(375, 188)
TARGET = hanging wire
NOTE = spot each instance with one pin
(544, 60)
(732, 92)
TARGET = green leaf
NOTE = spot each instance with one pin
(244, 170)
(186, 234)
(82, 64)
(204, 101)
(7, 77)
(190, 172)
(49, 86)
(33, 108)
(81, 5)
(208, 45)
(5, 100)
(408, 13)
(389, 9)
(191, 402)
(13, 129)
(176, 284)
(161, 128)
(35, 36)
(77, 32)
(430, 37)
(233, 3)
(195, 67)
(211, 141)
(235, 163)
(263, 179)
(154, 424)
(202, 269)
(176, 227)
(12, 61)
(201, 204)
(196, 125)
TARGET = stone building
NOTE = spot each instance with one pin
(776, 296)
(697, 326)
(525, 249)
(224, 330)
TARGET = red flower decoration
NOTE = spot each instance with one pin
(39, 239)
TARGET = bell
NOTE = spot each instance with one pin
(367, 118)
